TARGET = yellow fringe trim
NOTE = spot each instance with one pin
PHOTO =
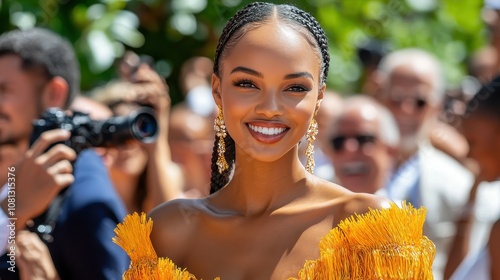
(381, 244)
(133, 237)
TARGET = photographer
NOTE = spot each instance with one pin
(142, 173)
(38, 70)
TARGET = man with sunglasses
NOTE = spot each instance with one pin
(363, 144)
(411, 84)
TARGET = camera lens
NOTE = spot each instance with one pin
(145, 127)
(140, 124)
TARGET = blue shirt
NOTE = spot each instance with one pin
(81, 246)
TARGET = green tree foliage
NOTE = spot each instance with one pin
(171, 31)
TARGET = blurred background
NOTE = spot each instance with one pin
(171, 31)
(411, 145)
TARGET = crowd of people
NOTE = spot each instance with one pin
(226, 181)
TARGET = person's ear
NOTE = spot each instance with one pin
(55, 93)
(321, 94)
(216, 90)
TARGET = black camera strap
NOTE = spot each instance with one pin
(43, 226)
(46, 227)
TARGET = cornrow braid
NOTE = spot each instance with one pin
(219, 180)
(250, 16)
(253, 12)
(309, 22)
(261, 11)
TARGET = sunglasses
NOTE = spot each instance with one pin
(338, 142)
(417, 102)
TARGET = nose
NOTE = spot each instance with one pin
(408, 106)
(270, 104)
(351, 145)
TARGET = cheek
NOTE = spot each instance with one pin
(303, 115)
(369, 150)
(234, 110)
(305, 107)
(378, 155)
(27, 101)
(376, 159)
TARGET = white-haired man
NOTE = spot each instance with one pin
(363, 141)
(411, 85)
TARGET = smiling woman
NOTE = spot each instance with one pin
(267, 214)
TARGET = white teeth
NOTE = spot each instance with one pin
(267, 130)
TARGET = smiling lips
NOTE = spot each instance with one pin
(268, 133)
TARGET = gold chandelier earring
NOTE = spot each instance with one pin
(311, 133)
(220, 131)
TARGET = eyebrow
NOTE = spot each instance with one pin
(246, 70)
(258, 74)
(299, 75)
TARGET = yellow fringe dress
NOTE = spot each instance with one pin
(380, 244)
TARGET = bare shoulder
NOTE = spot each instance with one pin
(173, 224)
(360, 203)
(348, 203)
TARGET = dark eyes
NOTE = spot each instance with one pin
(245, 83)
(298, 88)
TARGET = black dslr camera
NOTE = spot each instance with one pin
(86, 133)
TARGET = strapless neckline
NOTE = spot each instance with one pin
(380, 244)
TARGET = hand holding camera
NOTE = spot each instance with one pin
(163, 179)
(150, 89)
(41, 174)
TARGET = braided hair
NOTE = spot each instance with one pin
(249, 17)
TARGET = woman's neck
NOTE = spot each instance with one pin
(262, 187)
